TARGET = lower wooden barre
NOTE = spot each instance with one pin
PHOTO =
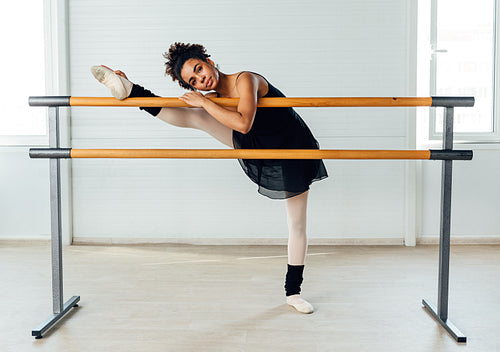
(249, 154)
(61, 153)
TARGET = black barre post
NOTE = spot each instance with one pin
(440, 314)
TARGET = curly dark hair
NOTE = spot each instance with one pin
(177, 55)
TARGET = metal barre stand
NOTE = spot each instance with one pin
(440, 314)
(59, 309)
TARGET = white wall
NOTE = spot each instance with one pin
(475, 210)
(314, 48)
(24, 195)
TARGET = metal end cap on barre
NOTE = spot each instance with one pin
(453, 101)
(51, 153)
(49, 101)
(450, 154)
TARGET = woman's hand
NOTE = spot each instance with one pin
(195, 99)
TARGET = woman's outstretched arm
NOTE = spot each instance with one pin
(240, 120)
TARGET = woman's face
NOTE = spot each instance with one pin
(200, 74)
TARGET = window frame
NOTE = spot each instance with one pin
(11, 140)
(491, 137)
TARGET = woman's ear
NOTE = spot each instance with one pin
(211, 62)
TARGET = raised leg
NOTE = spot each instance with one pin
(199, 119)
(121, 88)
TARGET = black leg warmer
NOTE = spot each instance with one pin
(293, 279)
(140, 92)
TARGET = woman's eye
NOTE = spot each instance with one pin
(193, 83)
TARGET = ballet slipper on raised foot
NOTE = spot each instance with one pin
(119, 86)
(300, 304)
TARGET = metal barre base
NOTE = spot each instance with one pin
(448, 325)
(54, 318)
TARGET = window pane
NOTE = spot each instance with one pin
(466, 30)
(22, 67)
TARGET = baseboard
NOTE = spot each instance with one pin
(20, 241)
(238, 241)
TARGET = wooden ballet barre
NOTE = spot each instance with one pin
(54, 153)
(66, 153)
(262, 102)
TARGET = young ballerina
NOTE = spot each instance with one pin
(245, 126)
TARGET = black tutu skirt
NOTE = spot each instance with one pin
(279, 128)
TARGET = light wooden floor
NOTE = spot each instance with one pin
(229, 298)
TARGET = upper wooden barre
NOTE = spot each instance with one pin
(262, 102)
(251, 154)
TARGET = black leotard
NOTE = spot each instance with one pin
(279, 128)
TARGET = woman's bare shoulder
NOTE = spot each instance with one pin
(245, 78)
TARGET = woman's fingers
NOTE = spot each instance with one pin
(194, 99)
(118, 72)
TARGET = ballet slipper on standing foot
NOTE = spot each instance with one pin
(119, 86)
(300, 304)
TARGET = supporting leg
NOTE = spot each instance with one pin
(296, 208)
(59, 309)
(297, 248)
(441, 314)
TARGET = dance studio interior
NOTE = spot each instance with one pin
(250, 175)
